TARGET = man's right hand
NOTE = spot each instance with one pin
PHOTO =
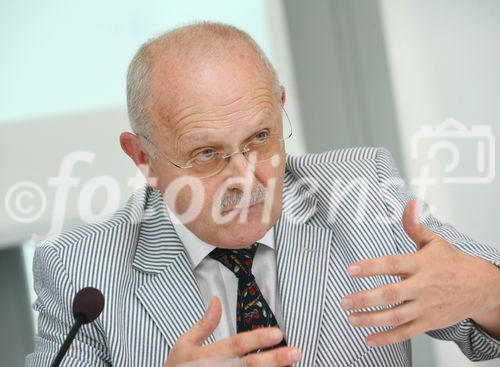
(189, 346)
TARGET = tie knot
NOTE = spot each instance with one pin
(238, 261)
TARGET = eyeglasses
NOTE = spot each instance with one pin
(208, 162)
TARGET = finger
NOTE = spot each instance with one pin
(385, 265)
(200, 331)
(284, 356)
(386, 295)
(398, 334)
(393, 316)
(243, 343)
(417, 231)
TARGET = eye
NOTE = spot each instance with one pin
(261, 137)
(205, 155)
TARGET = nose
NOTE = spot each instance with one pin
(242, 169)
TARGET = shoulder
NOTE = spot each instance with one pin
(322, 181)
(331, 156)
(341, 160)
(89, 242)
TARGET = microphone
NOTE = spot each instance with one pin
(87, 306)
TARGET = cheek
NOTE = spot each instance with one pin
(268, 175)
(161, 176)
(182, 194)
(184, 199)
(272, 179)
(271, 176)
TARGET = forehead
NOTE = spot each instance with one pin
(175, 84)
(221, 125)
(202, 94)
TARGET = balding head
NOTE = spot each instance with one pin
(175, 54)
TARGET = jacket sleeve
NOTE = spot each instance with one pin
(474, 342)
(54, 302)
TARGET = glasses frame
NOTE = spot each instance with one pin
(225, 155)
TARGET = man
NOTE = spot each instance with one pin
(323, 255)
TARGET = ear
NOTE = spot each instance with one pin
(131, 145)
(283, 95)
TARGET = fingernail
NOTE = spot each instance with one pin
(371, 343)
(346, 303)
(354, 320)
(274, 335)
(294, 356)
(354, 269)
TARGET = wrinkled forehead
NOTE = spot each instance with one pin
(209, 89)
(220, 125)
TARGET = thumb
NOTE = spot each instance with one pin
(417, 231)
(200, 331)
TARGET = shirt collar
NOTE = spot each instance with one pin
(198, 249)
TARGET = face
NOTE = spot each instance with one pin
(218, 106)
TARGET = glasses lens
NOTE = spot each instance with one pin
(256, 153)
(265, 151)
(205, 169)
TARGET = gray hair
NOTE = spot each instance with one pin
(138, 75)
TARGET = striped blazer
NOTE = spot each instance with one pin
(339, 207)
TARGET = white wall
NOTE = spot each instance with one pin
(59, 57)
(444, 59)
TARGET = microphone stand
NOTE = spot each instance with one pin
(79, 321)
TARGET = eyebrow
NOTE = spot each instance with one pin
(207, 137)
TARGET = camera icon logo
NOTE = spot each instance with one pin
(462, 155)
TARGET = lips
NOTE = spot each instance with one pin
(239, 208)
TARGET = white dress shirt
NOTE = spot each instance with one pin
(214, 279)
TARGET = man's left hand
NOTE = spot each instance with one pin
(440, 286)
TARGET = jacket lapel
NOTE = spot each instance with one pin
(302, 263)
(170, 294)
(172, 298)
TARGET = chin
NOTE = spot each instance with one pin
(240, 235)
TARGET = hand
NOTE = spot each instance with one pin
(440, 286)
(189, 347)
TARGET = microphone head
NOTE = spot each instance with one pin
(89, 303)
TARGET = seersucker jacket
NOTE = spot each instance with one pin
(338, 207)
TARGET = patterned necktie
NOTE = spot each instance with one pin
(252, 310)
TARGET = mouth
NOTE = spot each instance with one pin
(240, 208)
